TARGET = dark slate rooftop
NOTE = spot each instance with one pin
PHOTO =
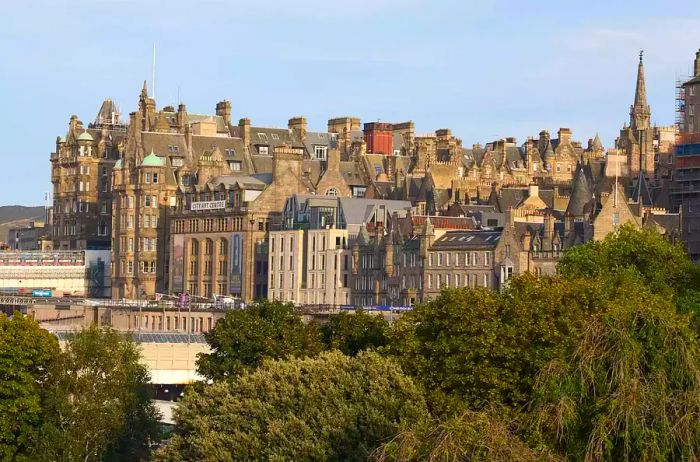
(467, 240)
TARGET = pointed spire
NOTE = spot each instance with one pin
(640, 112)
(144, 90)
(640, 94)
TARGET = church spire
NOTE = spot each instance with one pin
(640, 114)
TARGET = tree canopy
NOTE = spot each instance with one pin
(328, 408)
(97, 402)
(26, 351)
(244, 338)
(465, 436)
(477, 346)
(629, 389)
(662, 265)
(352, 333)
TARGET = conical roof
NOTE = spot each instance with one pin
(581, 194)
(597, 144)
(549, 150)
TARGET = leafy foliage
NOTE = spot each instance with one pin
(329, 408)
(264, 329)
(663, 266)
(352, 333)
(476, 346)
(630, 389)
(98, 404)
(467, 436)
(26, 351)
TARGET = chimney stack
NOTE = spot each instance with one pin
(298, 125)
(697, 63)
(244, 130)
(223, 110)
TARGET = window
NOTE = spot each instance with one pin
(147, 178)
(129, 267)
(430, 281)
(320, 152)
(616, 218)
(235, 166)
(148, 201)
(332, 192)
(487, 258)
(155, 178)
(263, 150)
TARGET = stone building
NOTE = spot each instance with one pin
(81, 170)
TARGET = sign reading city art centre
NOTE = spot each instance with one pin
(210, 205)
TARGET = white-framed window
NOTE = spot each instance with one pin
(321, 152)
(332, 192)
(263, 150)
(147, 179)
(235, 166)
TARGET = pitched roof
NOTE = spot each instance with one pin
(641, 191)
(467, 240)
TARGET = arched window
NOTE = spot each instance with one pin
(332, 192)
(194, 247)
(209, 247)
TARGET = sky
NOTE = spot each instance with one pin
(485, 69)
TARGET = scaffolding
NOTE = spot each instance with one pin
(680, 104)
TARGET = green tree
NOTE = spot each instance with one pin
(630, 389)
(465, 436)
(476, 346)
(98, 405)
(264, 329)
(662, 265)
(328, 408)
(352, 333)
(26, 351)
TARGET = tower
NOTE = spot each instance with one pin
(637, 140)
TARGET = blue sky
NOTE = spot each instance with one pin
(485, 69)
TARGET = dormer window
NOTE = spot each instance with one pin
(320, 152)
(263, 150)
(275, 136)
(262, 136)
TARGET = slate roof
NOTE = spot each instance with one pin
(358, 210)
(351, 173)
(467, 240)
(641, 193)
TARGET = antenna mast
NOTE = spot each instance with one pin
(153, 81)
